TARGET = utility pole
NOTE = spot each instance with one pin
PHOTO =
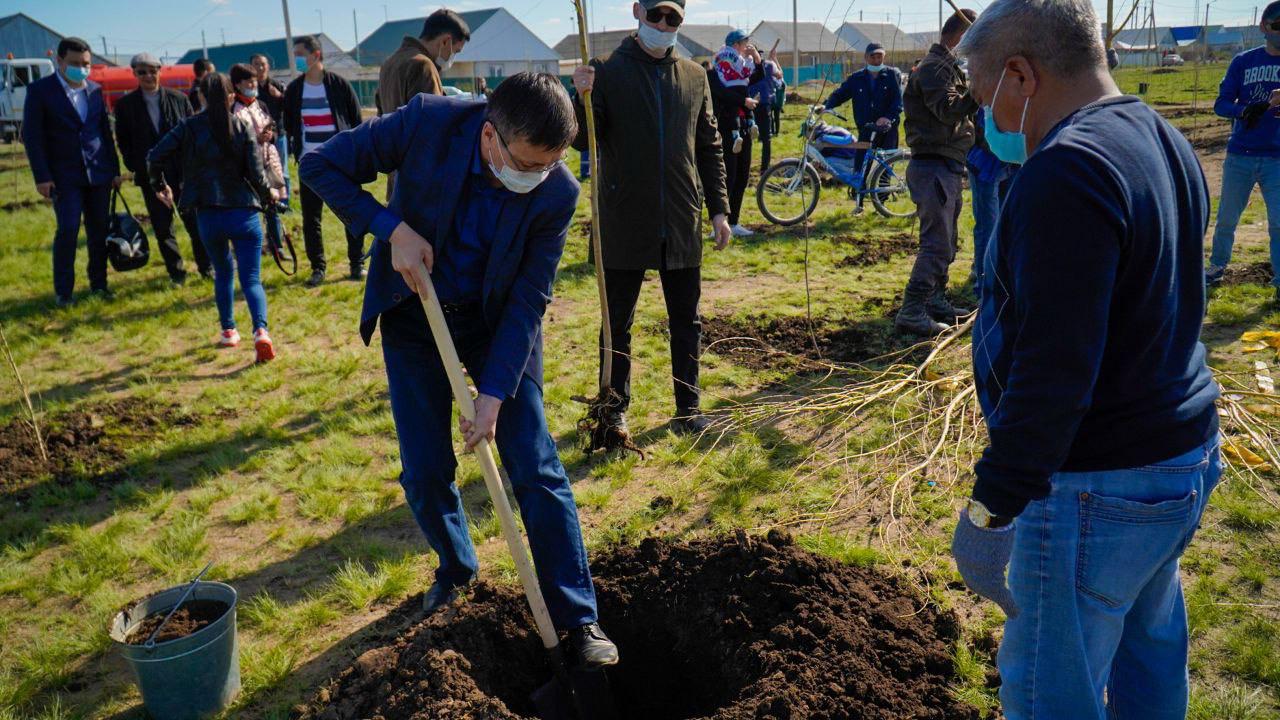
(795, 41)
(384, 13)
(939, 20)
(356, 28)
(104, 45)
(859, 16)
(204, 46)
(321, 14)
(1110, 19)
(288, 39)
(224, 36)
(1255, 14)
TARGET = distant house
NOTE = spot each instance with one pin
(924, 40)
(278, 51)
(23, 37)
(894, 39)
(500, 46)
(696, 42)
(822, 54)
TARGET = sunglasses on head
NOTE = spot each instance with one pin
(657, 15)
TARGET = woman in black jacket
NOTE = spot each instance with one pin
(224, 182)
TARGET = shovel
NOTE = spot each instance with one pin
(574, 693)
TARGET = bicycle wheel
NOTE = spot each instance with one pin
(888, 183)
(783, 196)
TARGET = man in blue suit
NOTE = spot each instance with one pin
(67, 135)
(483, 200)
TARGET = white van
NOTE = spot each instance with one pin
(15, 76)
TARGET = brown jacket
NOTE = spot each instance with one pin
(939, 108)
(406, 73)
(660, 157)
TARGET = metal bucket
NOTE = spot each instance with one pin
(190, 677)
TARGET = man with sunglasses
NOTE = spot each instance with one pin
(660, 158)
(483, 200)
(143, 116)
(1249, 95)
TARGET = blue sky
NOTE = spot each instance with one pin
(172, 26)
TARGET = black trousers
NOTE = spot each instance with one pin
(162, 228)
(313, 235)
(764, 121)
(681, 289)
(737, 170)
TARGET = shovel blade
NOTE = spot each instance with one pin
(579, 694)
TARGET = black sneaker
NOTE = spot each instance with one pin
(690, 423)
(357, 272)
(592, 647)
(178, 280)
(317, 277)
(65, 301)
(1213, 276)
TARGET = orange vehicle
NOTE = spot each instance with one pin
(116, 81)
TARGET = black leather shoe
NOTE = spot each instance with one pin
(942, 309)
(438, 596)
(105, 293)
(592, 647)
(357, 272)
(317, 277)
(690, 423)
(66, 301)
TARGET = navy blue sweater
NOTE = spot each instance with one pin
(874, 95)
(1087, 351)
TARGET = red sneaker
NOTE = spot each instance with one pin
(229, 338)
(262, 343)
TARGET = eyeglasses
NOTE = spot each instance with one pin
(657, 15)
(506, 148)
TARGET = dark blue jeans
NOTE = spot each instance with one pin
(223, 230)
(988, 196)
(422, 406)
(70, 203)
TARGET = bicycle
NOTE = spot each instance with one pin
(788, 191)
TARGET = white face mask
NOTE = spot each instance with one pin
(655, 39)
(445, 64)
(517, 181)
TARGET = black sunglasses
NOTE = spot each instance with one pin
(1274, 25)
(657, 15)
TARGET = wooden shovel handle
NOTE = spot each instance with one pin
(484, 453)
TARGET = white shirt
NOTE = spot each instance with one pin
(79, 97)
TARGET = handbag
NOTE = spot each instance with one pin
(127, 246)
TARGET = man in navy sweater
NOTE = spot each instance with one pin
(67, 134)
(1248, 95)
(1103, 436)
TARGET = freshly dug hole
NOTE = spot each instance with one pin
(724, 629)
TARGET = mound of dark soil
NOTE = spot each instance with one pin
(726, 629)
(760, 342)
(192, 616)
(1257, 273)
(875, 250)
(82, 444)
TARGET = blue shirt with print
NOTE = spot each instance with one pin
(1252, 76)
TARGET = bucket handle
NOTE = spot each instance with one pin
(151, 641)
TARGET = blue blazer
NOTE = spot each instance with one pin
(60, 146)
(429, 143)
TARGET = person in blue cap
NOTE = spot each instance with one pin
(1248, 95)
(876, 92)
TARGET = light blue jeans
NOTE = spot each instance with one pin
(1095, 574)
(1239, 174)
(224, 231)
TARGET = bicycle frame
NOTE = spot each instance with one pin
(856, 179)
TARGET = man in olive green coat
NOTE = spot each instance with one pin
(659, 159)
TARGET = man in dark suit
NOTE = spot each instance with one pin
(67, 135)
(142, 118)
(484, 201)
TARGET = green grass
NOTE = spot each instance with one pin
(288, 478)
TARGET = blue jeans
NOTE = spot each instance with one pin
(1239, 174)
(223, 230)
(1095, 573)
(422, 407)
(70, 203)
(987, 199)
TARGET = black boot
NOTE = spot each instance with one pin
(689, 422)
(593, 648)
(940, 308)
(913, 318)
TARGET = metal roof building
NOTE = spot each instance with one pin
(817, 43)
(278, 51)
(500, 46)
(858, 35)
(25, 37)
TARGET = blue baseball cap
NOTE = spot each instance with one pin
(737, 36)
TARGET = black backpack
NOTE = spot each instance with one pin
(127, 246)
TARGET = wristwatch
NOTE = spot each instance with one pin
(981, 517)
